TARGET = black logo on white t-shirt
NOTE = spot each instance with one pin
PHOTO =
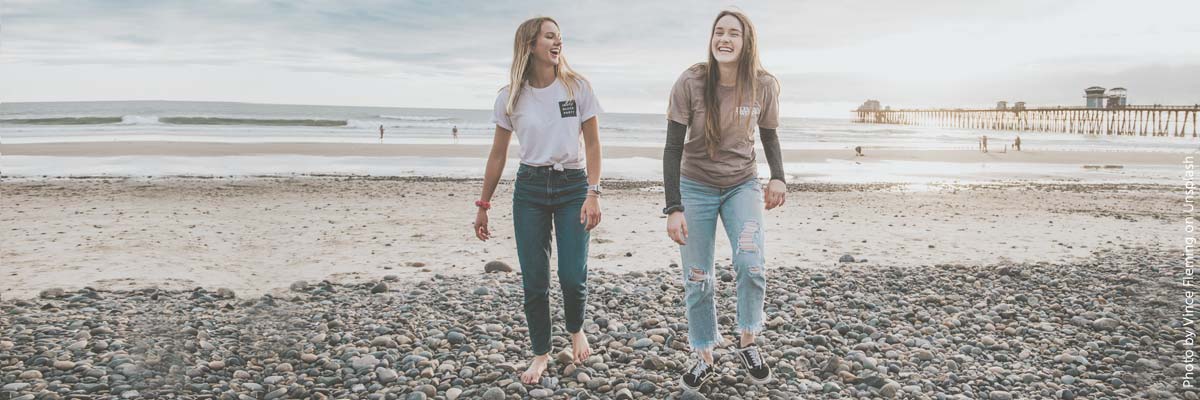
(567, 108)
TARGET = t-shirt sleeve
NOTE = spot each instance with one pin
(499, 116)
(768, 116)
(589, 105)
(679, 107)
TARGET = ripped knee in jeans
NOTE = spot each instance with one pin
(747, 242)
(699, 279)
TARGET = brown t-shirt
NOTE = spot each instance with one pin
(734, 162)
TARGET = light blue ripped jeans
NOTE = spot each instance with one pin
(740, 209)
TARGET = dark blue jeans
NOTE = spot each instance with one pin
(543, 198)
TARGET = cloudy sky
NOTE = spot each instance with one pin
(830, 56)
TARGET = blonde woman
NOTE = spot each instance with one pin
(714, 109)
(552, 110)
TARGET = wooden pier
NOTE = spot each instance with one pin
(1170, 121)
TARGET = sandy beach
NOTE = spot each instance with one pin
(349, 270)
(256, 234)
(349, 287)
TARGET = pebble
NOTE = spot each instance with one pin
(496, 266)
(1106, 324)
(277, 393)
(493, 394)
(15, 387)
(380, 287)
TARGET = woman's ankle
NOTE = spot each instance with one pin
(706, 356)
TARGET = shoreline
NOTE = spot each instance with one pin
(214, 149)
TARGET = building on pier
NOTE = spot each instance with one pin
(1095, 97)
(1116, 98)
(870, 105)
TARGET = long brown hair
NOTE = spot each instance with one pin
(528, 33)
(749, 69)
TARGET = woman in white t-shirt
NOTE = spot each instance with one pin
(553, 112)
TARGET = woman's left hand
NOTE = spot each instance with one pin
(775, 194)
(589, 215)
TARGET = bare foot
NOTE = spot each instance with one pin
(536, 368)
(579, 345)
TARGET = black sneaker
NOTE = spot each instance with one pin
(696, 376)
(760, 373)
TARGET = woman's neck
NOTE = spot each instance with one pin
(729, 73)
(543, 75)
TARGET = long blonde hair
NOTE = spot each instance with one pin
(749, 69)
(523, 41)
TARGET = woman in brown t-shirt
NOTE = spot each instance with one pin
(717, 105)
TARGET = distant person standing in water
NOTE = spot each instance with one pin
(454, 133)
(1017, 143)
(381, 132)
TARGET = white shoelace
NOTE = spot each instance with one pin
(700, 367)
(755, 357)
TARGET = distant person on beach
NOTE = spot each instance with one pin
(858, 151)
(381, 132)
(454, 134)
(1017, 143)
(983, 143)
(718, 103)
(551, 108)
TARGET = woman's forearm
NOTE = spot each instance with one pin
(672, 157)
(591, 143)
(495, 163)
(770, 141)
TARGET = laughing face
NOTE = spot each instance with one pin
(726, 44)
(548, 44)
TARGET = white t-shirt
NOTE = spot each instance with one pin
(548, 124)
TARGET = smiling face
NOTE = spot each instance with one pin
(726, 43)
(548, 44)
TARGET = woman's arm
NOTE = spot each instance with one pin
(776, 191)
(591, 144)
(770, 141)
(491, 177)
(590, 214)
(672, 157)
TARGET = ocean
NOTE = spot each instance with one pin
(226, 122)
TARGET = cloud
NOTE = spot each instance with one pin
(431, 53)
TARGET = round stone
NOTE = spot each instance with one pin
(496, 266)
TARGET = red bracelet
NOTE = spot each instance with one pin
(486, 205)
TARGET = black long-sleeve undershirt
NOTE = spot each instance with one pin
(673, 158)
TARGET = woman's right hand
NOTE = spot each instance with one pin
(677, 227)
(481, 225)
